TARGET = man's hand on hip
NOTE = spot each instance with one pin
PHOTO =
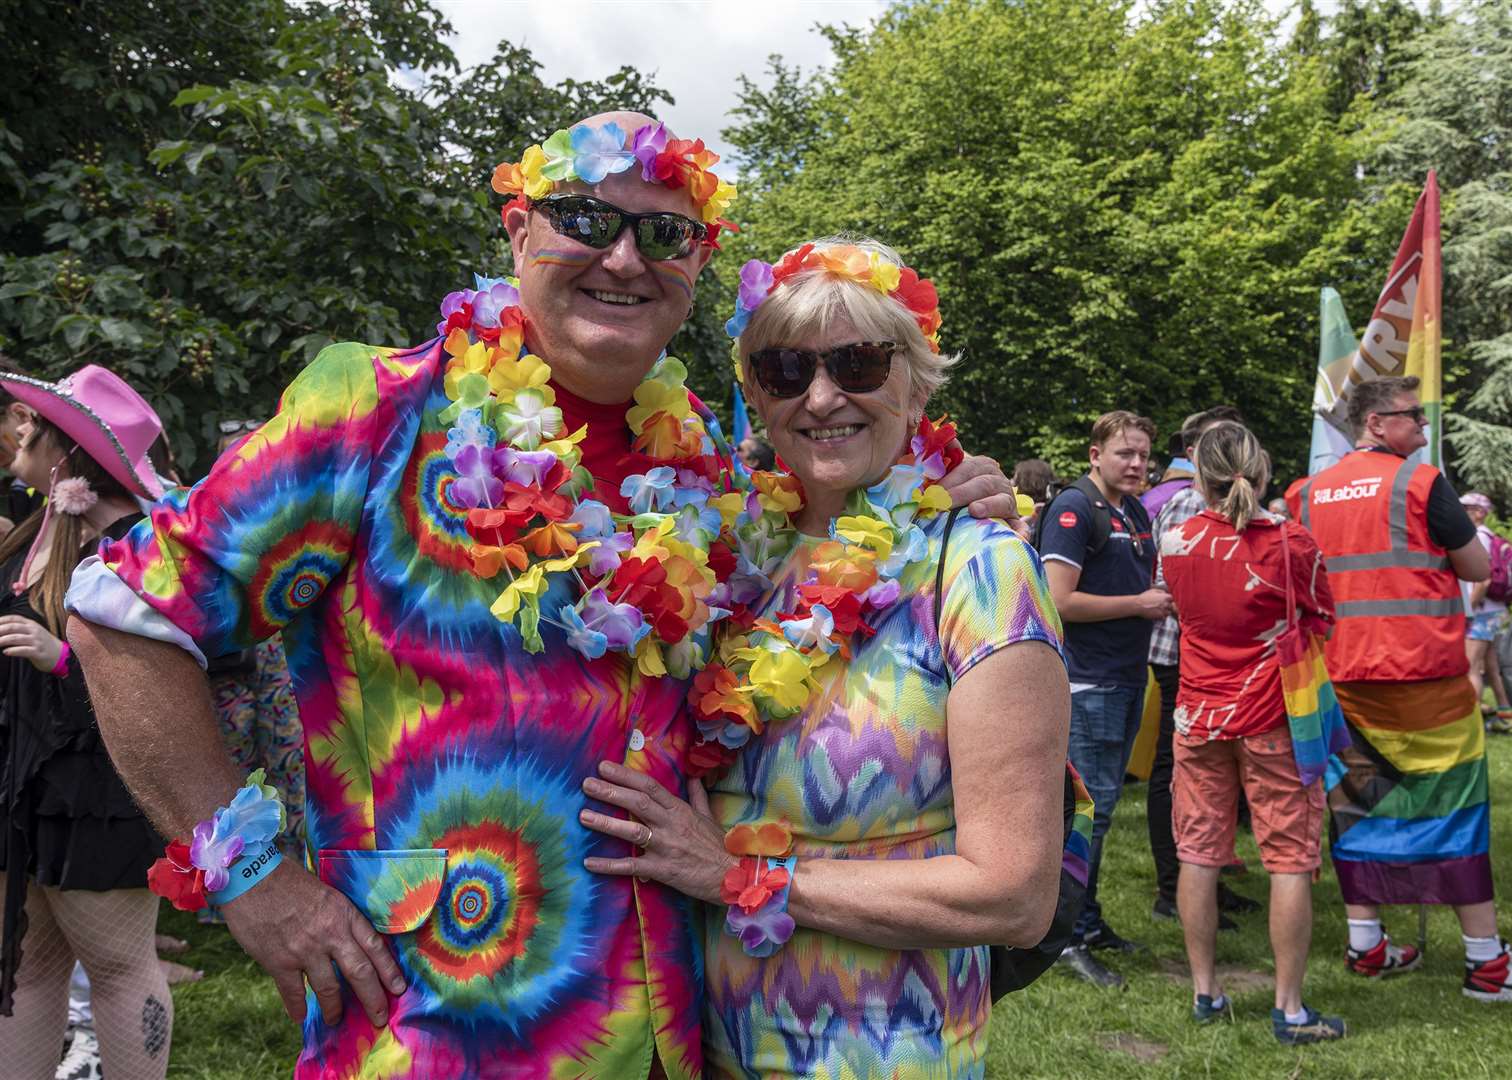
(297, 927)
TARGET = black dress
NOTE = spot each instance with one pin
(66, 819)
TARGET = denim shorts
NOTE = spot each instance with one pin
(1483, 625)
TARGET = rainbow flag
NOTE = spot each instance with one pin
(1079, 840)
(1336, 347)
(1404, 336)
(1408, 800)
(1312, 710)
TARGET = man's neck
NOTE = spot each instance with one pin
(566, 372)
(1114, 498)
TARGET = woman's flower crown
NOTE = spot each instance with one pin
(758, 280)
(591, 153)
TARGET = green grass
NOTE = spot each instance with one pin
(232, 1027)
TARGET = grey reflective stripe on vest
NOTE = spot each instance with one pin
(1397, 519)
(1306, 501)
(1383, 560)
(1354, 609)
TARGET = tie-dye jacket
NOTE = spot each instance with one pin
(444, 761)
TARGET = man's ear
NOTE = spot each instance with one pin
(517, 225)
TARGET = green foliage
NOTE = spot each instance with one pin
(1123, 206)
(201, 196)
(1454, 113)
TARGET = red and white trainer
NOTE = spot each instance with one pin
(1383, 960)
(1490, 980)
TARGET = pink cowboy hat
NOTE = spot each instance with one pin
(110, 421)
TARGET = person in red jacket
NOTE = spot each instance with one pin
(1410, 822)
(1227, 570)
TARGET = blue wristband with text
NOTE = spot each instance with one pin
(247, 871)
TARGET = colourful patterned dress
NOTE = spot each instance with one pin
(443, 762)
(259, 721)
(864, 773)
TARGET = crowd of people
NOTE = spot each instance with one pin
(516, 731)
(1377, 555)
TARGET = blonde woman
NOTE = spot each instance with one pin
(919, 780)
(1225, 569)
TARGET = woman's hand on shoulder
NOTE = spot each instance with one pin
(30, 640)
(682, 846)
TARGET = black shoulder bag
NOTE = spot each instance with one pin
(1013, 969)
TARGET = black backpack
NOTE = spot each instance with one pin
(1102, 516)
(1013, 969)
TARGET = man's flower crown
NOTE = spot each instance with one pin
(591, 153)
(917, 295)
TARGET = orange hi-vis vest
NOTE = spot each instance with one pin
(1397, 600)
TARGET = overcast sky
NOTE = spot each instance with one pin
(696, 49)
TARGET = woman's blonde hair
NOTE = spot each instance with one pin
(811, 301)
(72, 538)
(1232, 471)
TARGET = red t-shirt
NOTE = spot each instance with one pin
(1231, 601)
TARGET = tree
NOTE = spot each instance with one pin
(1453, 112)
(203, 195)
(1122, 206)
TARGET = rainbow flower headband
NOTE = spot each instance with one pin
(591, 153)
(758, 280)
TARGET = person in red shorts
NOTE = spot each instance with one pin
(1225, 569)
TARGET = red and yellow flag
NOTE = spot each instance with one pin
(1404, 336)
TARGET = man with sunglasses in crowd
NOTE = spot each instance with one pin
(1100, 563)
(1410, 817)
(445, 762)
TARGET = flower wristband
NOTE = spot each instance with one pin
(230, 851)
(757, 887)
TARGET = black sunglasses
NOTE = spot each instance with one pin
(856, 369)
(1417, 414)
(659, 236)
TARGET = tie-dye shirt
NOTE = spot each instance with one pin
(864, 773)
(444, 762)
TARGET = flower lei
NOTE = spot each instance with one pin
(591, 153)
(766, 670)
(647, 581)
(917, 295)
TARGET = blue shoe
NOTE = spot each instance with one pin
(1315, 1027)
(1206, 1009)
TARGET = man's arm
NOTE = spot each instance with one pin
(292, 924)
(1470, 561)
(1076, 606)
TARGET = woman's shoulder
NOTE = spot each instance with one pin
(972, 531)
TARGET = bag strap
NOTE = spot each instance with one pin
(1291, 599)
(939, 594)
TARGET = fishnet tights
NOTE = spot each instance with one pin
(112, 935)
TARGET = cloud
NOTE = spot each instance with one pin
(695, 51)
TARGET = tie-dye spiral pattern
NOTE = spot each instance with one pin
(444, 761)
(864, 773)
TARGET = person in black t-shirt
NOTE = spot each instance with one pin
(1100, 559)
